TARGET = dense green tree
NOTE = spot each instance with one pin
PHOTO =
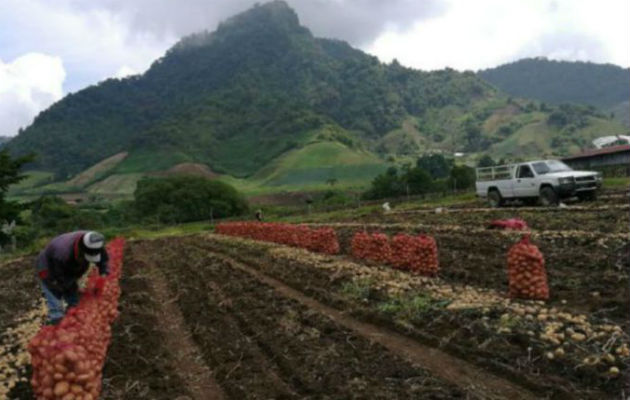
(418, 180)
(186, 198)
(436, 165)
(462, 177)
(388, 184)
(485, 161)
(10, 173)
(51, 215)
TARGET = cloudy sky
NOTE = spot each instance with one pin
(49, 48)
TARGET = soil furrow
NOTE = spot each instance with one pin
(452, 369)
(275, 378)
(316, 356)
(139, 365)
(195, 374)
(238, 364)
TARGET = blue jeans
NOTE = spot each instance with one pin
(56, 310)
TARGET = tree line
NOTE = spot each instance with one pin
(432, 173)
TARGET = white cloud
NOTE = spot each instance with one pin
(28, 84)
(124, 72)
(484, 33)
(93, 43)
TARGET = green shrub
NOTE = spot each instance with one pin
(186, 198)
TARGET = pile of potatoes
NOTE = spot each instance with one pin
(67, 359)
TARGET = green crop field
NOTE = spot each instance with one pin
(33, 179)
(117, 184)
(150, 161)
(315, 164)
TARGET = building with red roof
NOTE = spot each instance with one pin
(613, 160)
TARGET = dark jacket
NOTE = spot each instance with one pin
(60, 265)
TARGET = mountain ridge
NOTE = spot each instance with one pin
(261, 86)
(254, 85)
(556, 81)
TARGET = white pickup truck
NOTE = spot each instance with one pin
(544, 181)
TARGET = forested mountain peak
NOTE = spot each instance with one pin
(235, 99)
(275, 15)
(261, 89)
(552, 81)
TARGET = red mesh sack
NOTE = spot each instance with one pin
(526, 272)
(417, 254)
(380, 250)
(360, 245)
(402, 250)
(374, 247)
(425, 259)
(323, 240)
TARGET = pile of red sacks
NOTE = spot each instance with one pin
(374, 247)
(322, 240)
(417, 254)
(67, 359)
(526, 272)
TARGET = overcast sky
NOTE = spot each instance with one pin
(49, 48)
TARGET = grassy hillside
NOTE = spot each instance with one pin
(621, 113)
(116, 185)
(97, 171)
(317, 163)
(503, 127)
(150, 161)
(33, 179)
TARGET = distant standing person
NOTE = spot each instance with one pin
(259, 215)
(62, 262)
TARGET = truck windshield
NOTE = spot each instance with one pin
(546, 167)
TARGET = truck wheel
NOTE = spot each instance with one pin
(494, 199)
(548, 197)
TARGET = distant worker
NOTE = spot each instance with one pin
(62, 263)
(259, 215)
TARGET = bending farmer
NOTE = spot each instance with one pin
(62, 262)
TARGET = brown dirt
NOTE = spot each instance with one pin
(464, 333)
(139, 365)
(195, 374)
(19, 290)
(599, 219)
(263, 344)
(459, 372)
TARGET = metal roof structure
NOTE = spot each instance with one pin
(598, 152)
